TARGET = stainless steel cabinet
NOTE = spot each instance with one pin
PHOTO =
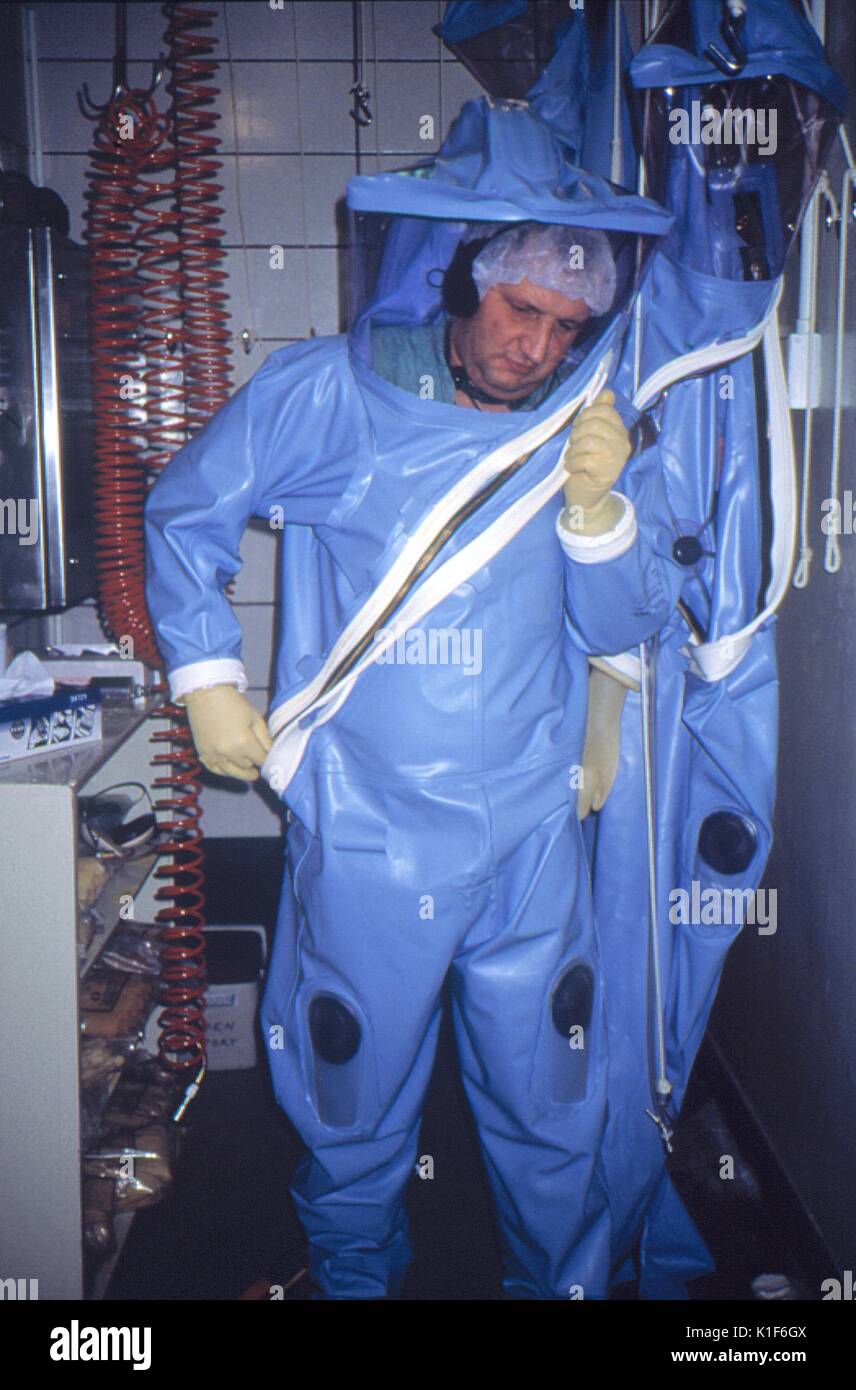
(46, 433)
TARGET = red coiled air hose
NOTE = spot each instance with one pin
(206, 341)
(160, 349)
(119, 479)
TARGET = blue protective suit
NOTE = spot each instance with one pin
(433, 823)
(433, 819)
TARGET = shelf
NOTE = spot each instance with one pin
(73, 768)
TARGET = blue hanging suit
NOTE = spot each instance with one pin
(703, 350)
(726, 455)
(704, 344)
(433, 821)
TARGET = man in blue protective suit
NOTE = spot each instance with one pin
(434, 819)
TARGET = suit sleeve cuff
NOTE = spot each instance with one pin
(200, 675)
(592, 550)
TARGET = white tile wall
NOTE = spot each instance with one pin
(324, 30)
(274, 303)
(287, 150)
(324, 306)
(67, 174)
(257, 625)
(326, 177)
(263, 200)
(76, 31)
(265, 108)
(257, 31)
(404, 31)
(459, 86)
(407, 92)
(325, 107)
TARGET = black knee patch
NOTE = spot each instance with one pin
(334, 1031)
(727, 842)
(571, 1007)
(337, 1060)
(572, 1000)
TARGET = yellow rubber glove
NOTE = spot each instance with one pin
(230, 736)
(600, 755)
(597, 450)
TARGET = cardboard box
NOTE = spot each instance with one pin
(235, 962)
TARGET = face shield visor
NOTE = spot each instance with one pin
(501, 207)
(538, 295)
(735, 158)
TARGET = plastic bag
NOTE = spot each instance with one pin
(139, 1162)
(134, 948)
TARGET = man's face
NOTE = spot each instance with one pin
(517, 337)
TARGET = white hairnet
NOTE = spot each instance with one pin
(574, 261)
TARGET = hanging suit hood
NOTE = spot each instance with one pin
(559, 60)
(776, 38)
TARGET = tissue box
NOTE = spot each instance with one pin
(48, 723)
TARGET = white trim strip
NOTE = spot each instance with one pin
(702, 359)
(201, 675)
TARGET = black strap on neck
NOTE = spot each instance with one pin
(462, 381)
